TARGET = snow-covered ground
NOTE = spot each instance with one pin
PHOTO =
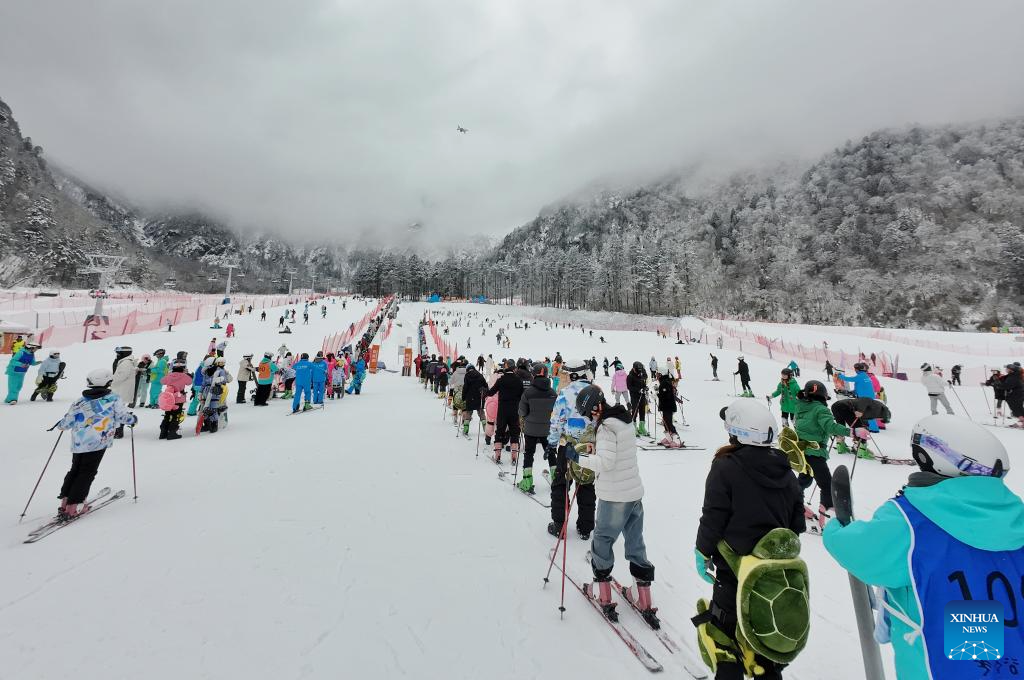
(367, 540)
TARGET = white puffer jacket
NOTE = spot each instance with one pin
(124, 379)
(933, 383)
(614, 461)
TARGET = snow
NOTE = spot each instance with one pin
(366, 540)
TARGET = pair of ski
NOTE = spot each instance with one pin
(692, 668)
(650, 444)
(503, 476)
(319, 407)
(59, 522)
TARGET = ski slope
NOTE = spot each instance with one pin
(367, 540)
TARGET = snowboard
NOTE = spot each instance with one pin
(861, 593)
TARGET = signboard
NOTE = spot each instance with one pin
(407, 365)
(374, 353)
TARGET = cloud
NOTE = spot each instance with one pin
(325, 119)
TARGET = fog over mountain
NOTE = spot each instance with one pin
(329, 119)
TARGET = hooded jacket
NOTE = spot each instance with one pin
(124, 378)
(933, 383)
(509, 389)
(614, 458)
(815, 423)
(535, 407)
(93, 419)
(980, 513)
(565, 421)
(473, 384)
(619, 380)
(748, 492)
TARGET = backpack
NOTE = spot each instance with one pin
(263, 371)
(794, 448)
(166, 400)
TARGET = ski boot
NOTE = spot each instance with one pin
(823, 518)
(307, 406)
(584, 535)
(554, 530)
(640, 596)
(497, 454)
(601, 592)
(642, 429)
(515, 454)
(677, 443)
(35, 393)
(863, 452)
(487, 440)
(667, 442)
(841, 447)
(526, 485)
(465, 429)
(62, 511)
(72, 510)
(172, 434)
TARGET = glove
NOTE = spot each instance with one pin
(703, 564)
(79, 417)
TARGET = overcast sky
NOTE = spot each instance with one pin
(329, 117)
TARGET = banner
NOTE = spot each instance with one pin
(374, 352)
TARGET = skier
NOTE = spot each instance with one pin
(995, 381)
(794, 368)
(954, 530)
(214, 395)
(667, 407)
(653, 365)
(936, 387)
(222, 347)
(473, 387)
(50, 371)
(263, 315)
(749, 492)
(862, 387)
(954, 374)
(338, 379)
(1013, 387)
(455, 384)
(566, 428)
(490, 410)
(636, 384)
(509, 388)
(319, 378)
(814, 423)
(158, 369)
(246, 374)
(230, 330)
(620, 511)
(535, 408)
(288, 375)
(619, 388)
(605, 365)
(303, 382)
(172, 399)
(787, 389)
(125, 368)
(358, 376)
(829, 369)
(743, 371)
(141, 382)
(679, 369)
(17, 367)
(714, 367)
(92, 420)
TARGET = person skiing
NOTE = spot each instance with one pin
(749, 491)
(172, 399)
(535, 408)
(787, 389)
(319, 378)
(794, 368)
(246, 374)
(667, 407)
(157, 370)
(509, 388)
(653, 365)
(50, 371)
(229, 331)
(995, 381)
(743, 371)
(214, 395)
(125, 367)
(636, 384)
(455, 384)
(829, 368)
(862, 387)
(473, 386)
(17, 368)
(620, 509)
(815, 423)
(619, 388)
(338, 376)
(565, 430)
(222, 347)
(288, 376)
(303, 370)
(605, 365)
(953, 531)
(954, 374)
(714, 367)
(92, 420)
(490, 409)
(936, 388)
(1013, 388)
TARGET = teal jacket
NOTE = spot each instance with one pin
(158, 370)
(978, 511)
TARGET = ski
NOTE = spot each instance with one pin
(105, 491)
(659, 447)
(634, 646)
(33, 538)
(502, 474)
(885, 460)
(306, 410)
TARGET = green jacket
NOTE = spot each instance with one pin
(814, 423)
(788, 394)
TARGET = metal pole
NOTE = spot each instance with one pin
(36, 487)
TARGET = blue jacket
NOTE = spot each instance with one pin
(197, 377)
(564, 418)
(979, 514)
(862, 385)
(21, 361)
(93, 421)
(319, 371)
(303, 373)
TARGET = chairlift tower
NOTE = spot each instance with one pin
(227, 289)
(106, 266)
(291, 277)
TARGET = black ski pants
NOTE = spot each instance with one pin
(169, 424)
(639, 402)
(506, 427)
(241, 392)
(530, 447)
(723, 603)
(745, 382)
(820, 474)
(262, 394)
(79, 478)
(586, 497)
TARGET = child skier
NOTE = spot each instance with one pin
(787, 389)
(565, 430)
(50, 371)
(815, 423)
(338, 380)
(92, 419)
(535, 408)
(636, 384)
(265, 374)
(743, 371)
(749, 492)
(952, 533)
(619, 388)
(620, 510)
(936, 388)
(157, 371)
(17, 367)
(172, 399)
(667, 407)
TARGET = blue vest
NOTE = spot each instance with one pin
(944, 569)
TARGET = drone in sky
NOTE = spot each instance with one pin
(462, 129)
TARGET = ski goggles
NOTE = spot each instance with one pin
(965, 464)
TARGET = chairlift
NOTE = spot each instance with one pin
(211, 278)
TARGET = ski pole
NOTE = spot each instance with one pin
(479, 429)
(957, 395)
(561, 534)
(36, 487)
(519, 452)
(565, 545)
(135, 480)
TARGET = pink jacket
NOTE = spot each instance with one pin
(178, 382)
(875, 383)
(619, 381)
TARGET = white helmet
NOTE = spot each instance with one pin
(750, 422)
(101, 377)
(952, 446)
